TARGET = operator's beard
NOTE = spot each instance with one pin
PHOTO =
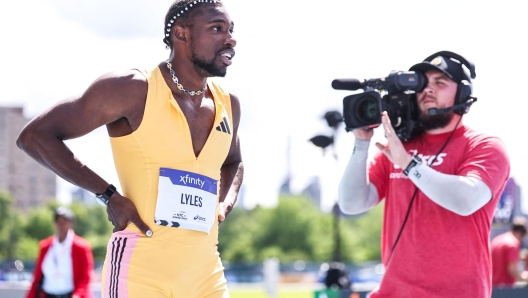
(429, 122)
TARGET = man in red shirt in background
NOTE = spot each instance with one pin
(505, 255)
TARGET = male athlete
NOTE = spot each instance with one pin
(176, 151)
(441, 189)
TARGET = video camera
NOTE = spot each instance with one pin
(394, 94)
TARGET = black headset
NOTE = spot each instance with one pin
(463, 97)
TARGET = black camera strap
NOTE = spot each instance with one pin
(416, 192)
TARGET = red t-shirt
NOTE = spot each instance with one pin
(440, 253)
(505, 249)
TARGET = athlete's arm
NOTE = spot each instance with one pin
(112, 100)
(356, 194)
(232, 171)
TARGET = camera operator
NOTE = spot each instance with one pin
(440, 189)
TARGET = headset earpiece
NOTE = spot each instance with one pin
(463, 94)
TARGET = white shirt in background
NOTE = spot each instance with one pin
(57, 267)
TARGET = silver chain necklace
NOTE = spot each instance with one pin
(180, 87)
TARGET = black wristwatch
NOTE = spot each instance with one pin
(414, 162)
(105, 197)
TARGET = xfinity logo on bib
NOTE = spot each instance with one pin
(196, 181)
(198, 217)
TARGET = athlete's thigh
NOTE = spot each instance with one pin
(129, 270)
(133, 287)
(135, 291)
(201, 278)
(219, 294)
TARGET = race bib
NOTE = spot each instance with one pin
(186, 200)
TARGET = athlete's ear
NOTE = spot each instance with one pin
(181, 33)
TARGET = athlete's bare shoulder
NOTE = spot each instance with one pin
(121, 94)
(121, 87)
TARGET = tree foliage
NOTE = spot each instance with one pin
(10, 227)
(39, 223)
(293, 230)
(20, 235)
(297, 230)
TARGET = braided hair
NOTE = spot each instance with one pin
(182, 13)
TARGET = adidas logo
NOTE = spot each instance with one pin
(224, 126)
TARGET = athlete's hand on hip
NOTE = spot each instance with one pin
(394, 149)
(121, 211)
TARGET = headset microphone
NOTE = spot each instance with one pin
(455, 108)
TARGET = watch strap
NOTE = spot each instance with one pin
(414, 161)
(105, 197)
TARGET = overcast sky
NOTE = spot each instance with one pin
(288, 53)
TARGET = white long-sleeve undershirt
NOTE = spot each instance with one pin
(462, 195)
(356, 193)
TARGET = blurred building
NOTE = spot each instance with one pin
(241, 199)
(285, 189)
(313, 191)
(509, 205)
(29, 183)
(83, 196)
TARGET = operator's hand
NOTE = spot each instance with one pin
(121, 211)
(364, 134)
(223, 211)
(394, 150)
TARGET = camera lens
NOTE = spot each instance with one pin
(368, 110)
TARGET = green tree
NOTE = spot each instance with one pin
(27, 248)
(297, 230)
(5, 208)
(236, 235)
(291, 227)
(361, 236)
(5, 224)
(83, 220)
(293, 230)
(91, 223)
(39, 223)
(10, 227)
(100, 223)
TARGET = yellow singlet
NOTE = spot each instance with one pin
(175, 261)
